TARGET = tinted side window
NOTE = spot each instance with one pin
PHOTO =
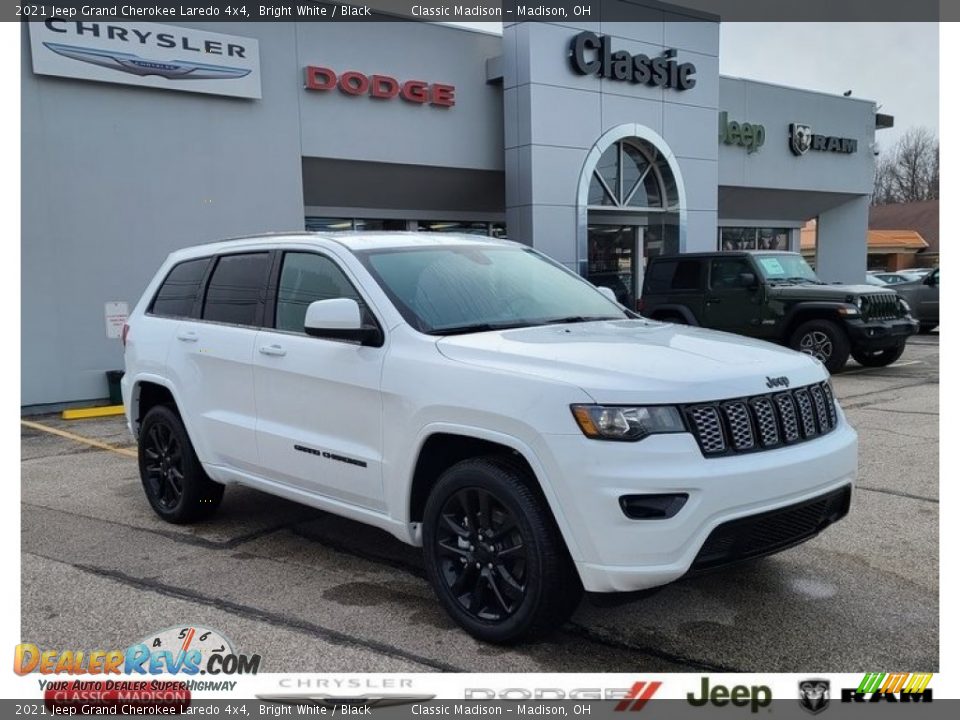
(306, 278)
(725, 273)
(674, 275)
(237, 289)
(178, 293)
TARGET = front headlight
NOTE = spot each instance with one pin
(617, 422)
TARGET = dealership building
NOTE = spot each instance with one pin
(601, 144)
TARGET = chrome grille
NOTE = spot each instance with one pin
(831, 406)
(788, 417)
(880, 306)
(820, 405)
(762, 422)
(706, 426)
(766, 421)
(741, 429)
(807, 423)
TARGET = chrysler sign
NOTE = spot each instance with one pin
(147, 54)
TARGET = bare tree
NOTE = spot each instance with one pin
(910, 170)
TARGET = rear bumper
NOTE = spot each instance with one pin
(881, 334)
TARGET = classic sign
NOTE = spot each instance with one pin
(592, 54)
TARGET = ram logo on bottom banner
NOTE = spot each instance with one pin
(892, 687)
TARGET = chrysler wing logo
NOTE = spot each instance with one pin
(371, 700)
(136, 65)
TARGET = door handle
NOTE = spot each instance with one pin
(187, 336)
(713, 300)
(275, 350)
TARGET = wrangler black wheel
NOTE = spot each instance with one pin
(494, 554)
(174, 481)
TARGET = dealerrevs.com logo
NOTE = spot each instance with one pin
(190, 650)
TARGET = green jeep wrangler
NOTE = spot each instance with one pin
(776, 296)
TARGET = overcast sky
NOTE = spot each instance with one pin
(895, 64)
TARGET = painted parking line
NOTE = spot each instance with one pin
(894, 365)
(92, 442)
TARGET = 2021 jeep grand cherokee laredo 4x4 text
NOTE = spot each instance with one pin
(776, 296)
(473, 397)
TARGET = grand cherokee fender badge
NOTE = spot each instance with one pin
(781, 381)
(136, 65)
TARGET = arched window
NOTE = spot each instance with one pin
(631, 175)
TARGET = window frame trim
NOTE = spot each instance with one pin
(273, 292)
(202, 299)
(200, 290)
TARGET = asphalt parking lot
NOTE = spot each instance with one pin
(311, 592)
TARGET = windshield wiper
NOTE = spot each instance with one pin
(476, 327)
(577, 319)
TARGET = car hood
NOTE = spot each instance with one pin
(826, 292)
(634, 361)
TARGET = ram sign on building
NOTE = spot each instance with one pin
(601, 144)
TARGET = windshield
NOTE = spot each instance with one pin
(458, 289)
(786, 268)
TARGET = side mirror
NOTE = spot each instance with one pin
(749, 280)
(933, 280)
(608, 293)
(339, 319)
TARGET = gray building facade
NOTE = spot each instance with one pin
(601, 144)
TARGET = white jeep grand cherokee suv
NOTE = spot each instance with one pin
(478, 399)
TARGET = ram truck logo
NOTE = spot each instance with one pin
(814, 695)
(801, 138)
(775, 382)
(136, 65)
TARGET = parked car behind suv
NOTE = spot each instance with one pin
(478, 399)
(923, 297)
(776, 296)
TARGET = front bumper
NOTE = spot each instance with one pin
(614, 553)
(880, 334)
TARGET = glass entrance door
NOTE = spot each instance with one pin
(614, 259)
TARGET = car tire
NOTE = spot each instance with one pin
(878, 358)
(494, 554)
(674, 318)
(825, 340)
(177, 487)
(927, 328)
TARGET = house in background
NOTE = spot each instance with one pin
(922, 217)
(900, 236)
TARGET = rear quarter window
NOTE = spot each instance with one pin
(178, 293)
(673, 276)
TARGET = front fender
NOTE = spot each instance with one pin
(532, 455)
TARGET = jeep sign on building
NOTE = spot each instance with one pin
(595, 142)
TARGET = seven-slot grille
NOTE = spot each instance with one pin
(763, 421)
(880, 306)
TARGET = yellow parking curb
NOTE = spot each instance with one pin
(129, 452)
(93, 412)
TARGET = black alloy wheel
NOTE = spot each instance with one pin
(494, 554)
(173, 478)
(164, 465)
(484, 558)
